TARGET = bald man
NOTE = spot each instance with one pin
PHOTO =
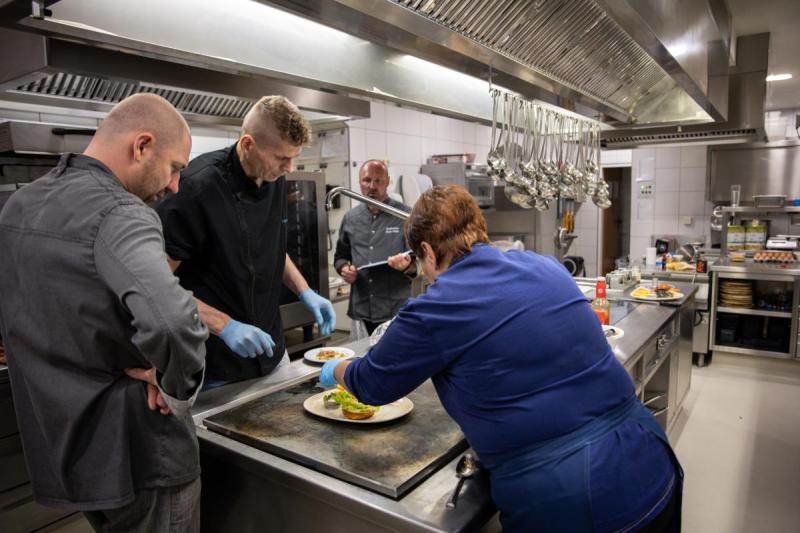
(225, 232)
(368, 235)
(105, 349)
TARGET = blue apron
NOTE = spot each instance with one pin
(549, 487)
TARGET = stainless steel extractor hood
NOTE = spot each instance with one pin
(56, 72)
(747, 91)
(619, 58)
(615, 60)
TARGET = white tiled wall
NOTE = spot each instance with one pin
(407, 137)
(678, 202)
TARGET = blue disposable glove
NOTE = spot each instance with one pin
(326, 377)
(246, 340)
(322, 309)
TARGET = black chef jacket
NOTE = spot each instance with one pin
(230, 237)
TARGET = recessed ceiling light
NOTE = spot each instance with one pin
(779, 77)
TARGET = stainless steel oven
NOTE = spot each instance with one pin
(307, 233)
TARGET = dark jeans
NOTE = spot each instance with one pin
(162, 510)
(669, 519)
(371, 325)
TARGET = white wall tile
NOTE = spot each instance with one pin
(642, 229)
(412, 150)
(693, 156)
(468, 132)
(428, 125)
(696, 228)
(376, 144)
(692, 203)
(204, 143)
(395, 148)
(693, 179)
(483, 135)
(394, 119)
(481, 152)
(667, 180)
(589, 237)
(412, 122)
(358, 145)
(639, 246)
(377, 119)
(665, 225)
(668, 157)
(667, 204)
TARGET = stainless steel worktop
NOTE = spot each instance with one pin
(249, 484)
(749, 266)
(422, 509)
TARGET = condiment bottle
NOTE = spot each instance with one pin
(600, 305)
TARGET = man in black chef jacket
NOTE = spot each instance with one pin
(89, 309)
(225, 232)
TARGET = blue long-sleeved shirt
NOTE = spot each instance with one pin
(514, 350)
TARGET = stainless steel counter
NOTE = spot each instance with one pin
(246, 489)
(251, 490)
(749, 266)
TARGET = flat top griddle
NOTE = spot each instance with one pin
(389, 458)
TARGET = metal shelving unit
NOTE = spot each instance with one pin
(753, 312)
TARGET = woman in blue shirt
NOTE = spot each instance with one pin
(520, 362)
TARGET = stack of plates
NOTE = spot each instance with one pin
(736, 294)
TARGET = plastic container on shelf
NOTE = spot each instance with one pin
(736, 237)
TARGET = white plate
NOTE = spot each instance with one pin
(655, 298)
(311, 355)
(316, 406)
(612, 340)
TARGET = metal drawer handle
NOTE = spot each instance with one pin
(661, 341)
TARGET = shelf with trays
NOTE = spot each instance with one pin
(749, 209)
(753, 312)
(750, 351)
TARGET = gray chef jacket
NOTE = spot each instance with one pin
(85, 292)
(379, 292)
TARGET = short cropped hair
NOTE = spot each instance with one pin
(449, 220)
(276, 115)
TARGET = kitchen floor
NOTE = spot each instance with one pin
(738, 439)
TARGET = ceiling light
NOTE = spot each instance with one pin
(779, 77)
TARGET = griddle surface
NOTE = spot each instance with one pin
(389, 458)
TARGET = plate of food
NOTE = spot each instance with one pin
(339, 404)
(663, 292)
(613, 335)
(323, 355)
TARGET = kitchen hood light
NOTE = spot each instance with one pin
(779, 77)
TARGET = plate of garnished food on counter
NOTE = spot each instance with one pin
(339, 404)
(663, 292)
(328, 353)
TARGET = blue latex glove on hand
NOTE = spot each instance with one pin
(322, 309)
(246, 340)
(326, 378)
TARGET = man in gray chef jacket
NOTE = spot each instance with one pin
(105, 349)
(368, 235)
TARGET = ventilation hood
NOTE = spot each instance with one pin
(747, 92)
(620, 61)
(66, 74)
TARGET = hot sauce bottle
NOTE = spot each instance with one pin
(600, 305)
